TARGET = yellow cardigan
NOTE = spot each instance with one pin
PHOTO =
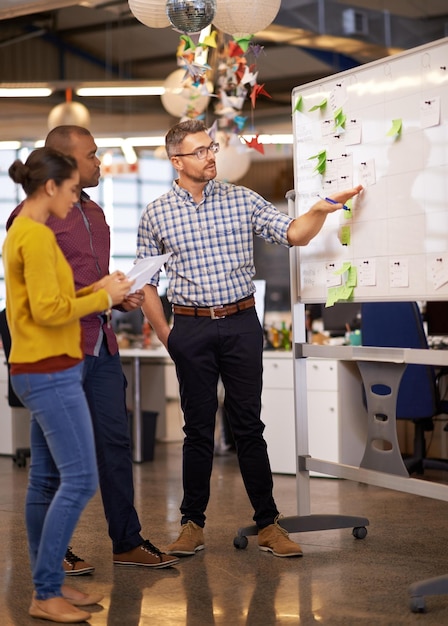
(42, 307)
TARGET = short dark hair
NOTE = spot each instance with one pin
(42, 165)
(177, 134)
(61, 137)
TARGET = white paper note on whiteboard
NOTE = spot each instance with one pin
(144, 270)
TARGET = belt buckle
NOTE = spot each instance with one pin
(212, 312)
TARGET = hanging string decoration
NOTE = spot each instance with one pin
(237, 81)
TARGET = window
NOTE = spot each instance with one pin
(122, 196)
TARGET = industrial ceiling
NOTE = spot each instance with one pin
(66, 42)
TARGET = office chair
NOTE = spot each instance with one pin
(400, 325)
(21, 454)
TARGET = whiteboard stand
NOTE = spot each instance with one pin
(383, 125)
(304, 521)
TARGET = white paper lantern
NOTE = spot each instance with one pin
(244, 17)
(68, 113)
(181, 94)
(190, 16)
(232, 160)
(152, 13)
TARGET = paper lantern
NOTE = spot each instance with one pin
(190, 16)
(152, 13)
(181, 97)
(244, 17)
(68, 113)
(233, 159)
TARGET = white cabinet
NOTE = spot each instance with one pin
(277, 411)
(14, 422)
(337, 419)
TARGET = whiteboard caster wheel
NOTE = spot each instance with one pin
(360, 532)
(240, 542)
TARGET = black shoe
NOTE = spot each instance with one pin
(74, 565)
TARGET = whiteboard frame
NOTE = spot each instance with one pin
(380, 214)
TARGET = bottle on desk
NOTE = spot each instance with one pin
(146, 331)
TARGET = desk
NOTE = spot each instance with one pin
(388, 364)
(378, 467)
(158, 393)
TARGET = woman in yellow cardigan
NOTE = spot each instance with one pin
(43, 312)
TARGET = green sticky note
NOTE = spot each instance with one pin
(299, 104)
(339, 118)
(321, 161)
(320, 106)
(332, 296)
(345, 292)
(336, 294)
(396, 128)
(348, 211)
(345, 235)
(345, 267)
(352, 278)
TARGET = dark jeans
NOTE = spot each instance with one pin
(204, 349)
(105, 388)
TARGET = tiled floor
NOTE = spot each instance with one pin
(339, 581)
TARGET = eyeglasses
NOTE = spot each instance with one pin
(201, 153)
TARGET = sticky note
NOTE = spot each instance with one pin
(397, 126)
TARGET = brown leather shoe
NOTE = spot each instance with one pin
(145, 555)
(190, 540)
(75, 566)
(57, 610)
(275, 539)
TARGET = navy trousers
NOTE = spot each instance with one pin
(105, 388)
(204, 349)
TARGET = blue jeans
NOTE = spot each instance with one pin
(105, 388)
(63, 474)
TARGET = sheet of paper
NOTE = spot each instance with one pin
(144, 270)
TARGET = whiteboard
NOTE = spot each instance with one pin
(383, 125)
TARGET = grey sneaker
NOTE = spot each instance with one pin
(275, 539)
(190, 540)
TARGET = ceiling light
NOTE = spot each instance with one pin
(122, 89)
(10, 145)
(286, 138)
(17, 90)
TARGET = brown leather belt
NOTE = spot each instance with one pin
(215, 312)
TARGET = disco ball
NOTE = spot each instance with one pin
(190, 16)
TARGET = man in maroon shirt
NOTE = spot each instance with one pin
(84, 237)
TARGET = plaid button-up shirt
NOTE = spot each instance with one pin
(211, 242)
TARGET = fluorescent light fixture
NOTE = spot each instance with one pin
(24, 91)
(129, 152)
(122, 88)
(141, 142)
(109, 142)
(10, 145)
(285, 138)
(146, 141)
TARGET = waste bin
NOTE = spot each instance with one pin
(149, 422)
